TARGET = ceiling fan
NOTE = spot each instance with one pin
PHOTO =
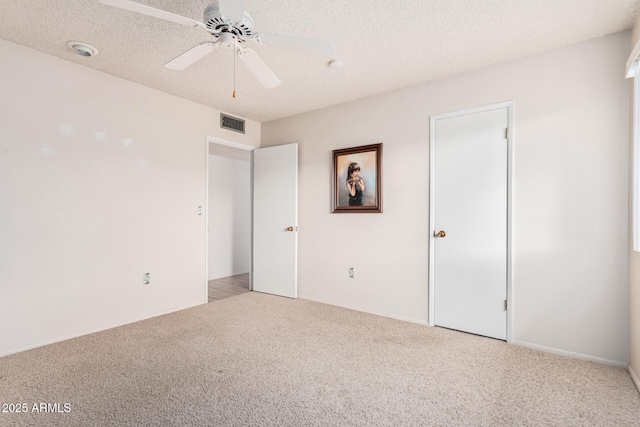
(231, 27)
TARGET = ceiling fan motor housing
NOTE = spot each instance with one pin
(213, 20)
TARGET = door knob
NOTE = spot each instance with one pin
(289, 228)
(440, 233)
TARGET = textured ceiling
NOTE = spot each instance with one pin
(384, 45)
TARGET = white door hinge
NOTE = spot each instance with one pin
(505, 305)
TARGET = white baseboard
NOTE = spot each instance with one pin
(634, 377)
(551, 350)
(390, 316)
(100, 329)
(571, 354)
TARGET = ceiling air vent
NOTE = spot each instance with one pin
(231, 123)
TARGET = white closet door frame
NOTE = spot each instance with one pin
(432, 187)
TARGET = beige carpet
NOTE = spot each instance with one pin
(259, 360)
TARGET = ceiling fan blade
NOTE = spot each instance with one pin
(192, 55)
(297, 44)
(232, 9)
(259, 69)
(151, 11)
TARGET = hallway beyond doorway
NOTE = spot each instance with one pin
(228, 286)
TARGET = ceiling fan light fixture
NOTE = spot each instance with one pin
(227, 40)
(82, 49)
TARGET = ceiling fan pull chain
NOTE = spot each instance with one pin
(235, 53)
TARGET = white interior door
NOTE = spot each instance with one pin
(470, 260)
(275, 220)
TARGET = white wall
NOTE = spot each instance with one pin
(229, 216)
(83, 215)
(570, 196)
(634, 262)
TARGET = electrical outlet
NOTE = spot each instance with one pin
(352, 272)
(146, 278)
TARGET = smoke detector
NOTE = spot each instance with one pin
(82, 49)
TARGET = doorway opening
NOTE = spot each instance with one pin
(228, 237)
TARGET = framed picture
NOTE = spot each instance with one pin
(357, 179)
